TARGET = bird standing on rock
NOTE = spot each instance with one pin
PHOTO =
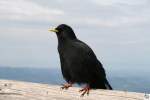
(79, 64)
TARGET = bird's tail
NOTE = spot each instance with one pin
(101, 84)
(108, 86)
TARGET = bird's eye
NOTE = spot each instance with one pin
(58, 29)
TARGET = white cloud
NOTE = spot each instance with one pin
(113, 2)
(75, 13)
(26, 10)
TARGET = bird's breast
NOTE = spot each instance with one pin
(69, 54)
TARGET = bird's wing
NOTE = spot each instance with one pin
(89, 60)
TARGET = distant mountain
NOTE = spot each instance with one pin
(118, 80)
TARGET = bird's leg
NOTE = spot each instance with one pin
(67, 85)
(85, 90)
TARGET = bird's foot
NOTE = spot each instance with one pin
(66, 86)
(85, 90)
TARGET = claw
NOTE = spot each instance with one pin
(66, 86)
(85, 90)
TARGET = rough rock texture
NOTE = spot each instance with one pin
(16, 90)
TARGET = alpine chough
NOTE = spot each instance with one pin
(79, 64)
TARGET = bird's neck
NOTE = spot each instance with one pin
(66, 39)
(63, 42)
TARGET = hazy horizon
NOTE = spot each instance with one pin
(119, 80)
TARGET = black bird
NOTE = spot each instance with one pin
(79, 64)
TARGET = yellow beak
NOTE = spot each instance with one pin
(53, 30)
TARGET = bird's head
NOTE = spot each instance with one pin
(64, 31)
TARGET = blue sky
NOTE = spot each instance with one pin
(117, 31)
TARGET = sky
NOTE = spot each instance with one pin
(116, 30)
